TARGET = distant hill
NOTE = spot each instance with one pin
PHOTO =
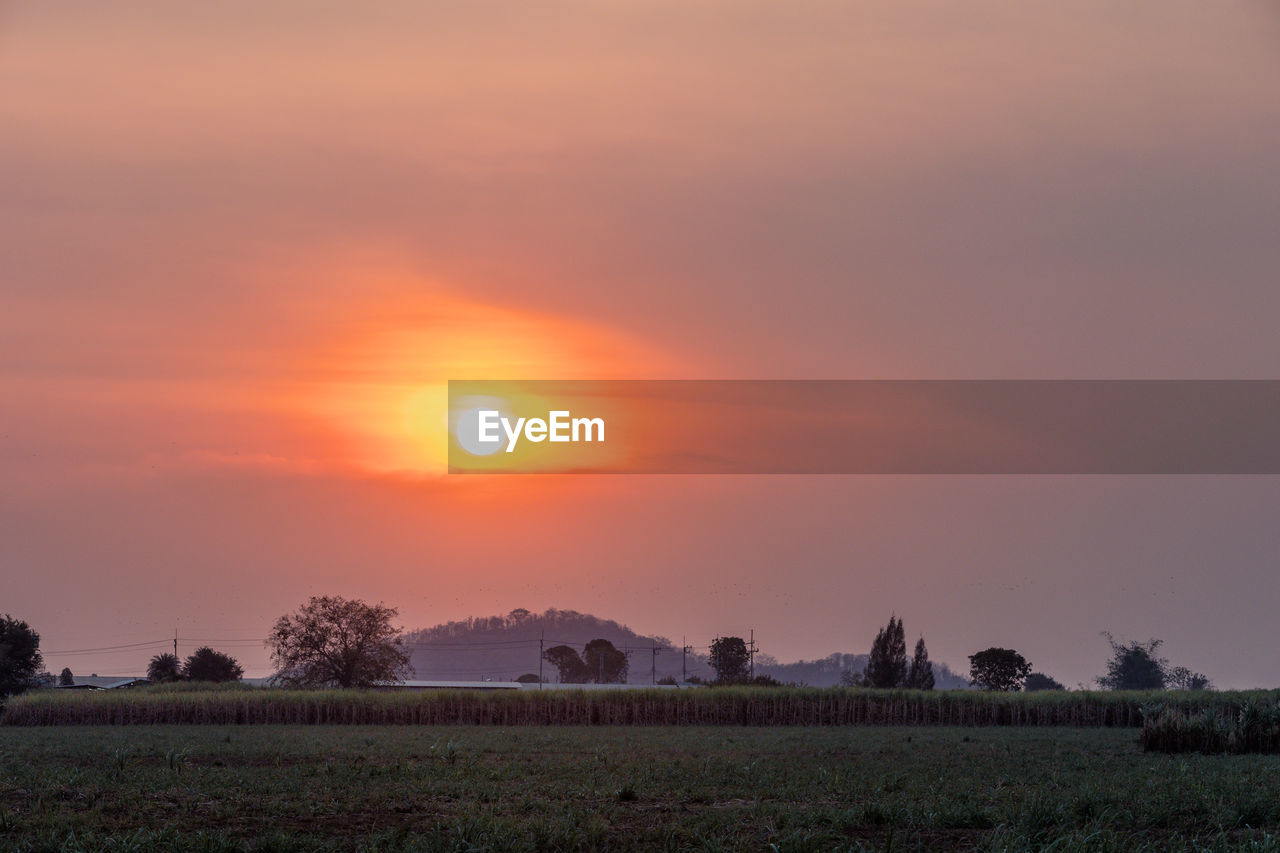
(826, 672)
(505, 647)
(502, 648)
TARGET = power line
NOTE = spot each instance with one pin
(430, 647)
(525, 642)
(104, 649)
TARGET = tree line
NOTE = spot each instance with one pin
(337, 642)
(1133, 666)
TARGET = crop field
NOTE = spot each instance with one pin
(795, 706)
(469, 788)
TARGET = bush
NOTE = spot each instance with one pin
(205, 664)
(1040, 681)
(1250, 726)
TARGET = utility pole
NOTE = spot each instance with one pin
(684, 659)
(175, 642)
(653, 672)
(542, 640)
(751, 651)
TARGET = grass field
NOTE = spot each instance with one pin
(393, 788)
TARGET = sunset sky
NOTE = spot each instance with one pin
(245, 245)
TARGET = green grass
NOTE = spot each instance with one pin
(394, 788)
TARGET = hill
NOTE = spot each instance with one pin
(501, 648)
(504, 647)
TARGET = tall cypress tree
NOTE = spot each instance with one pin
(887, 663)
(920, 676)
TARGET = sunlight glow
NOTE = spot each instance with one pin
(382, 391)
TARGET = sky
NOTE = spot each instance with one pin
(243, 247)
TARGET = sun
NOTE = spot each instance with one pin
(380, 391)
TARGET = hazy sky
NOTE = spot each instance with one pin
(243, 245)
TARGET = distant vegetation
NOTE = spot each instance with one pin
(20, 659)
(731, 659)
(748, 706)
(335, 642)
(205, 664)
(164, 668)
(600, 663)
(498, 645)
(1136, 666)
(887, 665)
(843, 669)
(1039, 681)
(505, 647)
(998, 669)
(1251, 726)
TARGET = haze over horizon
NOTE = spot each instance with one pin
(243, 247)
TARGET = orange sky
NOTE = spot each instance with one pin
(243, 245)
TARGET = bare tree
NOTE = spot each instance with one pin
(332, 641)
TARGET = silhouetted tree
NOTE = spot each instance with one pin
(1040, 681)
(20, 659)
(1181, 678)
(65, 678)
(163, 668)
(338, 642)
(730, 658)
(567, 663)
(998, 669)
(1134, 666)
(604, 664)
(206, 664)
(920, 676)
(887, 665)
(528, 678)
